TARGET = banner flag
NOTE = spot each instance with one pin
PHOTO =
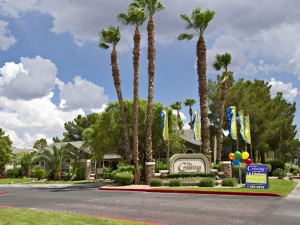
(240, 120)
(165, 127)
(247, 129)
(231, 114)
(196, 126)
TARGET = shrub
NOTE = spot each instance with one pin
(292, 169)
(207, 182)
(175, 183)
(229, 182)
(156, 182)
(159, 165)
(288, 167)
(76, 172)
(107, 173)
(295, 172)
(275, 163)
(123, 168)
(50, 175)
(13, 173)
(123, 178)
(235, 172)
(184, 175)
(278, 172)
(39, 172)
(216, 166)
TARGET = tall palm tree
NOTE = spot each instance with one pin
(135, 16)
(222, 61)
(199, 21)
(177, 106)
(150, 7)
(110, 37)
(190, 102)
(26, 160)
(56, 157)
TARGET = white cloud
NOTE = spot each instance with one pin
(6, 39)
(82, 94)
(289, 93)
(32, 78)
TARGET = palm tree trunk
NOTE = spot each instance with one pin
(151, 70)
(57, 175)
(136, 61)
(221, 118)
(117, 83)
(191, 116)
(201, 70)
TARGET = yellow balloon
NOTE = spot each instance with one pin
(245, 155)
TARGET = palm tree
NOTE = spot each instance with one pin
(222, 61)
(56, 157)
(26, 160)
(199, 21)
(190, 102)
(135, 16)
(110, 37)
(150, 7)
(177, 106)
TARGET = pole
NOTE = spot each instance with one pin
(168, 154)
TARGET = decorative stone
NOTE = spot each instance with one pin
(164, 173)
(149, 171)
(225, 166)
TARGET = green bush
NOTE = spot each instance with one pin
(76, 172)
(295, 172)
(124, 178)
(185, 175)
(275, 163)
(292, 169)
(175, 183)
(288, 167)
(229, 182)
(123, 168)
(13, 173)
(235, 172)
(159, 165)
(39, 172)
(50, 175)
(216, 166)
(156, 182)
(207, 182)
(278, 172)
(107, 173)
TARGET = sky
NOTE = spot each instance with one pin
(51, 68)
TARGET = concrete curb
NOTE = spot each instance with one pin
(191, 191)
(1, 193)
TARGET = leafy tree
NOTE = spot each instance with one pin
(199, 21)
(56, 140)
(110, 37)
(40, 144)
(75, 128)
(26, 160)
(150, 7)
(190, 102)
(5, 150)
(222, 61)
(107, 135)
(177, 106)
(55, 157)
(135, 16)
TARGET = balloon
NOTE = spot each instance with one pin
(236, 162)
(237, 154)
(231, 156)
(245, 155)
(248, 161)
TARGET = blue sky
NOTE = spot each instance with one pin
(51, 68)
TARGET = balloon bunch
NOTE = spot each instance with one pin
(235, 157)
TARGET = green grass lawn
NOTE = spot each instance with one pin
(29, 181)
(281, 187)
(33, 217)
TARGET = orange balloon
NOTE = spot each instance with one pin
(231, 156)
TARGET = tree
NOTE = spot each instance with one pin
(222, 61)
(75, 128)
(26, 160)
(56, 139)
(177, 106)
(199, 21)
(190, 102)
(5, 151)
(55, 156)
(135, 16)
(150, 7)
(40, 144)
(110, 37)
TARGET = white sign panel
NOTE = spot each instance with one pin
(189, 166)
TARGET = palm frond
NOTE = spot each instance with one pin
(187, 20)
(123, 18)
(185, 36)
(103, 45)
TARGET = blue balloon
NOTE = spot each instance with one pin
(235, 162)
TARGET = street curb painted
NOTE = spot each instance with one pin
(191, 191)
(1, 193)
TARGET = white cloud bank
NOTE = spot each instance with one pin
(288, 91)
(6, 39)
(26, 93)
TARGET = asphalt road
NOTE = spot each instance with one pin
(165, 208)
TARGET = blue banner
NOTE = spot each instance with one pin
(257, 176)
